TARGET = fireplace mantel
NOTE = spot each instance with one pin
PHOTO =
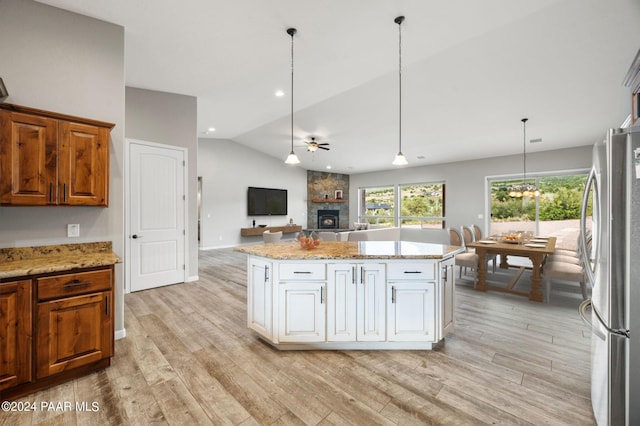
(322, 200)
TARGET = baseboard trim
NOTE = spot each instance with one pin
(120, 334)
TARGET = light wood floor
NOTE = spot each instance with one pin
(188, 359)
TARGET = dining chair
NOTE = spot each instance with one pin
(564, 271)
(465, 259)
(271, 237)
(477, 236)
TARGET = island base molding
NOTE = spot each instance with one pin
(354, 346)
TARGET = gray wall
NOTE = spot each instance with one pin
(169, 119)
(466, 196)
(227, 169)
(68, 63)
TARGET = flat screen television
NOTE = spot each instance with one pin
(266, 202)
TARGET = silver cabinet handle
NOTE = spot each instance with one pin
(353, 275)
(393, 294)
(266, 274)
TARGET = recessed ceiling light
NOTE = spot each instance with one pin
(279, 93)
(211, 129)
(329, 167)
(420, 157)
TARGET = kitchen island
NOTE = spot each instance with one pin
(351, 294)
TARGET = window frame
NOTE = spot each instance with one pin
(397, 216)
(530, 176)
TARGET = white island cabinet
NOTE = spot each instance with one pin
(351, 295)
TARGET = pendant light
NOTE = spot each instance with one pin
(292, 158)
(525, 190)
(400, 159)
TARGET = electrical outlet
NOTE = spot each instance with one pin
(73, 230)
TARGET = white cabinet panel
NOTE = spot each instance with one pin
(370, 304)
(341, 303)
(301, 316)
(259, 297)
(302, 271)
(411, 315)
(356, 305)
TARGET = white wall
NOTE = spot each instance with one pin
(170, 119)
(64, 62)
(465, 181)
(227, 169)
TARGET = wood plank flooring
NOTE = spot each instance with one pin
(188, 359)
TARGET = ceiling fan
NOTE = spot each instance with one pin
(313, 145)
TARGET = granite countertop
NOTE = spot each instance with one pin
(23, 261)
(352, 250)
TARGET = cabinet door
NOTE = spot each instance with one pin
(371, 303)
(301, 312)
(412, 313)
(28, 159)
(447, 279)
(15, 333)
(259, 294)
(341, 303)
(73, 332)
(83, 164)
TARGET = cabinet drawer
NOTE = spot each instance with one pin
(302, 271)
(73, 284)
(411, 271)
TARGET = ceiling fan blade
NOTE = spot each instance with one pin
(322, 147)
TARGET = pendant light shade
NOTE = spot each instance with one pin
(292, 158)
(400, 159)
(525, 190)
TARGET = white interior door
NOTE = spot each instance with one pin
(156, 215)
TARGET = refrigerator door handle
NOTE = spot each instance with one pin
(585, 317)
(591, 183)
(582, 309)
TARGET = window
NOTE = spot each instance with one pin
(421, 205)
(377, 206)
(555, 212)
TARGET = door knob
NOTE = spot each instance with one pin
(134, 236)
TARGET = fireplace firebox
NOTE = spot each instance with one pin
(328, 219)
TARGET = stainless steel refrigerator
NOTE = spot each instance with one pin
(612, 263)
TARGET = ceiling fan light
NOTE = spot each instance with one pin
(292, 158)
(400, 160)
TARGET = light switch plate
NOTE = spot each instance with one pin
(73, 230)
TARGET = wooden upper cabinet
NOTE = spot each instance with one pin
(52, 159)
(28, 159)
(83, 171)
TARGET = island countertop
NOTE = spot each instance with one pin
(25, 261)
(352, 250)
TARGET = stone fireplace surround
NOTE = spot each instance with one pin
(321, 186)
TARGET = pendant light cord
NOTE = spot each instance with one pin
(399, 20)
(291, 32)
(524, 151)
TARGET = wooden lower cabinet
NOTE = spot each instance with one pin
(70, 333)
(15, 333)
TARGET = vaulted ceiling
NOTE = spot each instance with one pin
(471, 70)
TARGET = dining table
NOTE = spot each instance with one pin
(535, 248)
